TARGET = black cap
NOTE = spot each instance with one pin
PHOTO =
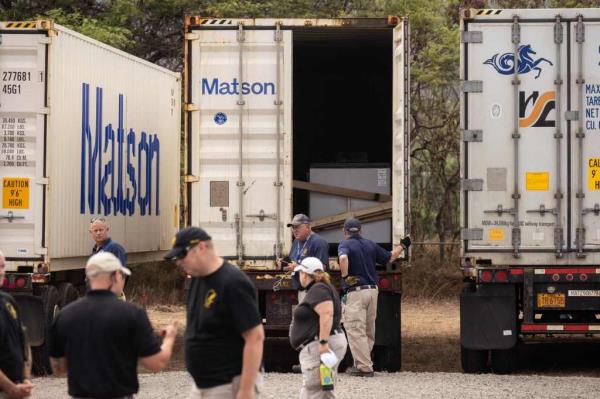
(184, 239)
(352, 225)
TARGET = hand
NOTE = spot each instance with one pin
(170, 331)
(246, 394)
(291, 266)
(323, 348)
(22, 390)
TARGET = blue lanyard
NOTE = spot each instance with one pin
(300, 250)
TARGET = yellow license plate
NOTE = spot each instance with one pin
(551, 300)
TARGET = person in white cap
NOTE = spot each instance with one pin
(99, 340)
(315, 330)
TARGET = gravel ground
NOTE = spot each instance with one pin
(383, 385)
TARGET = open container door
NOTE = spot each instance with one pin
(22, 135)
(239, 128)
(401, 133)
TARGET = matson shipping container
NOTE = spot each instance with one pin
(86, 131)
(530, 169)
(265, 99)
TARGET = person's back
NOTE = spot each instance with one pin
(103, 339)
(363, 254)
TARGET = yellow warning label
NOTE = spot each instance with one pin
(537, 181)
(496, 234)
(15, 193)
(594, 174)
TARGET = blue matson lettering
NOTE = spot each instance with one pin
(107, 155)
(216, 87)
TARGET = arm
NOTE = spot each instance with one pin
(252, 357)
(158, 361)
(27, 364)
(344, 265)
(59, 366)
(12, 390)
(325, 312)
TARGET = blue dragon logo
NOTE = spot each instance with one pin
(505, 63)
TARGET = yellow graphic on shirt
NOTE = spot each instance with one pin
(11, 310)
(209, 299)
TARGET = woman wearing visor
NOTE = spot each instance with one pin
(315, 330)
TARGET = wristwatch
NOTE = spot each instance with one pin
(323, 342)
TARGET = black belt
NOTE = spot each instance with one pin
(116, 397)
(316, 338)
(362, 287)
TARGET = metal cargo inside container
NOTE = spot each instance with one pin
(531, 136)
(267, 98)
(87, 131)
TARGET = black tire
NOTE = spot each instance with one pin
(504, 361)
(67, 293)
(50, 302)
(473, 360)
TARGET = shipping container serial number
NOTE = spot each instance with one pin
(12, 76)
(11, 89)
(551, 300)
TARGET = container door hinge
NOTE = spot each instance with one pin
(191, 179)
(44, 111)
(41, 251)
(471, 37)
(45, 40)
(42, 181)
(472, 184)
(475, 234)
(472, 86)
(472, 136)
(189, 107)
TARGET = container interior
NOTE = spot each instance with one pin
(342, 101)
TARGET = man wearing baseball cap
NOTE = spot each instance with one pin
(358, 257)
(224, 336)
(98, 340)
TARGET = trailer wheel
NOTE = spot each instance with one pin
(67, 293)
(504, 361)
(50, 303)
(473, 360)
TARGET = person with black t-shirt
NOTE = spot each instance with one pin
(15, 366)
(315, 330)
(98, 340)
(224, 337)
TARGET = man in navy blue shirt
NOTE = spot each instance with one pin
(99, 231)
(306, 243)
(358, 257)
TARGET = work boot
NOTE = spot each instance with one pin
(296, 369)
(353, 371)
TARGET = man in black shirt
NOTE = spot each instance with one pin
(224, 337)
(99, 340)
(14, 370)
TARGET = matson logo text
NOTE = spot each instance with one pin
(235, 87)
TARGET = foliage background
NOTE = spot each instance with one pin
(153, 30)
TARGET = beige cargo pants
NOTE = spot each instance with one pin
(360, 313)
(310, 361)
(225, 391)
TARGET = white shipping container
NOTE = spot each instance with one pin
(266, 98)
(530, 153)
(87, 131)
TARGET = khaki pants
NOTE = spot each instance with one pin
(360, 313)
(310, 361)
(225, 391)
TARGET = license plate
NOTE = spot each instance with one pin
(551, 300)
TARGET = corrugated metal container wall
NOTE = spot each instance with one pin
(131, 109)
(530, 158)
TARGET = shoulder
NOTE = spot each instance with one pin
(319, 240)
(234, 275)
(6, 297)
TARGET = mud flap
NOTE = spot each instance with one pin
(387, 353)
(32, 315)
(488, 317)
